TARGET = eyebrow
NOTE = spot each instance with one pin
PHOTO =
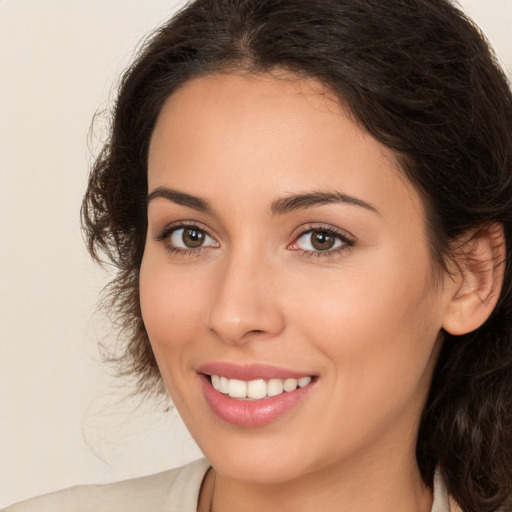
(278, 207)
(180, 198)
(310, 200)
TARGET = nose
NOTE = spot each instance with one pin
(245, 304)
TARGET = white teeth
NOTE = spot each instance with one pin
(237, 388)
(274, 387)
(303, 381)
(223, 385)
(290, 385)
(257, 389)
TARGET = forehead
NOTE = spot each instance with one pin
(220, 135)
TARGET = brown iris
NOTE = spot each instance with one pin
(193, 238)
(322, 240)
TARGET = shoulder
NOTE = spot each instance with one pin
(161, 491)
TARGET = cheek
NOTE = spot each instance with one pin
(378, 328)
(172, 309)
(172, 313)
(380, 359)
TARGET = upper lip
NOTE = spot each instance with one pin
(251, 371)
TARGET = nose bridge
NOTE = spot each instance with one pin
(245, 300)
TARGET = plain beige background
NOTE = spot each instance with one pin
(62, 420)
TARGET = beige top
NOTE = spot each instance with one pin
(176, 490)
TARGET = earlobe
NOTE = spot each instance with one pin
(477, 281)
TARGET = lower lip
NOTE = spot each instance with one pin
(251, 413)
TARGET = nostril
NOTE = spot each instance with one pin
(237, 321)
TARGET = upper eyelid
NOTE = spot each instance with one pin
(163, 232)
(302, 230)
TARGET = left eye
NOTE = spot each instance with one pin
(319, 240)
(191, 238)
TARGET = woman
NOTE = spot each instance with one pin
(310, 207)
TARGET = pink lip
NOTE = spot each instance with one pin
(250, 371)
(250, 413)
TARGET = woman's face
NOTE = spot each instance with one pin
(285, 248)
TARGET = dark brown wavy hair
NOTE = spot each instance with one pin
(419, 77)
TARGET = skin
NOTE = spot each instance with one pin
(365, 318)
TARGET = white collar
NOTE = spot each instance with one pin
(441, 498)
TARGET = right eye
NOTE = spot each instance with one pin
(189, 237)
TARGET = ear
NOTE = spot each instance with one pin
(477, 280)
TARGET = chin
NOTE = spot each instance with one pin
(258, 459)
(257, 470)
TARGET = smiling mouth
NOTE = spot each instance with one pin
(257, 397)
(257, 389)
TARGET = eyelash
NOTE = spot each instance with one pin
(346, 242)
(168, 231)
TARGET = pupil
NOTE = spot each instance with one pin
(322, 241)
(193, 238)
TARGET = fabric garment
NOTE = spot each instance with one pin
(176, 490)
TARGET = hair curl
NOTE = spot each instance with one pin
(418, 76)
